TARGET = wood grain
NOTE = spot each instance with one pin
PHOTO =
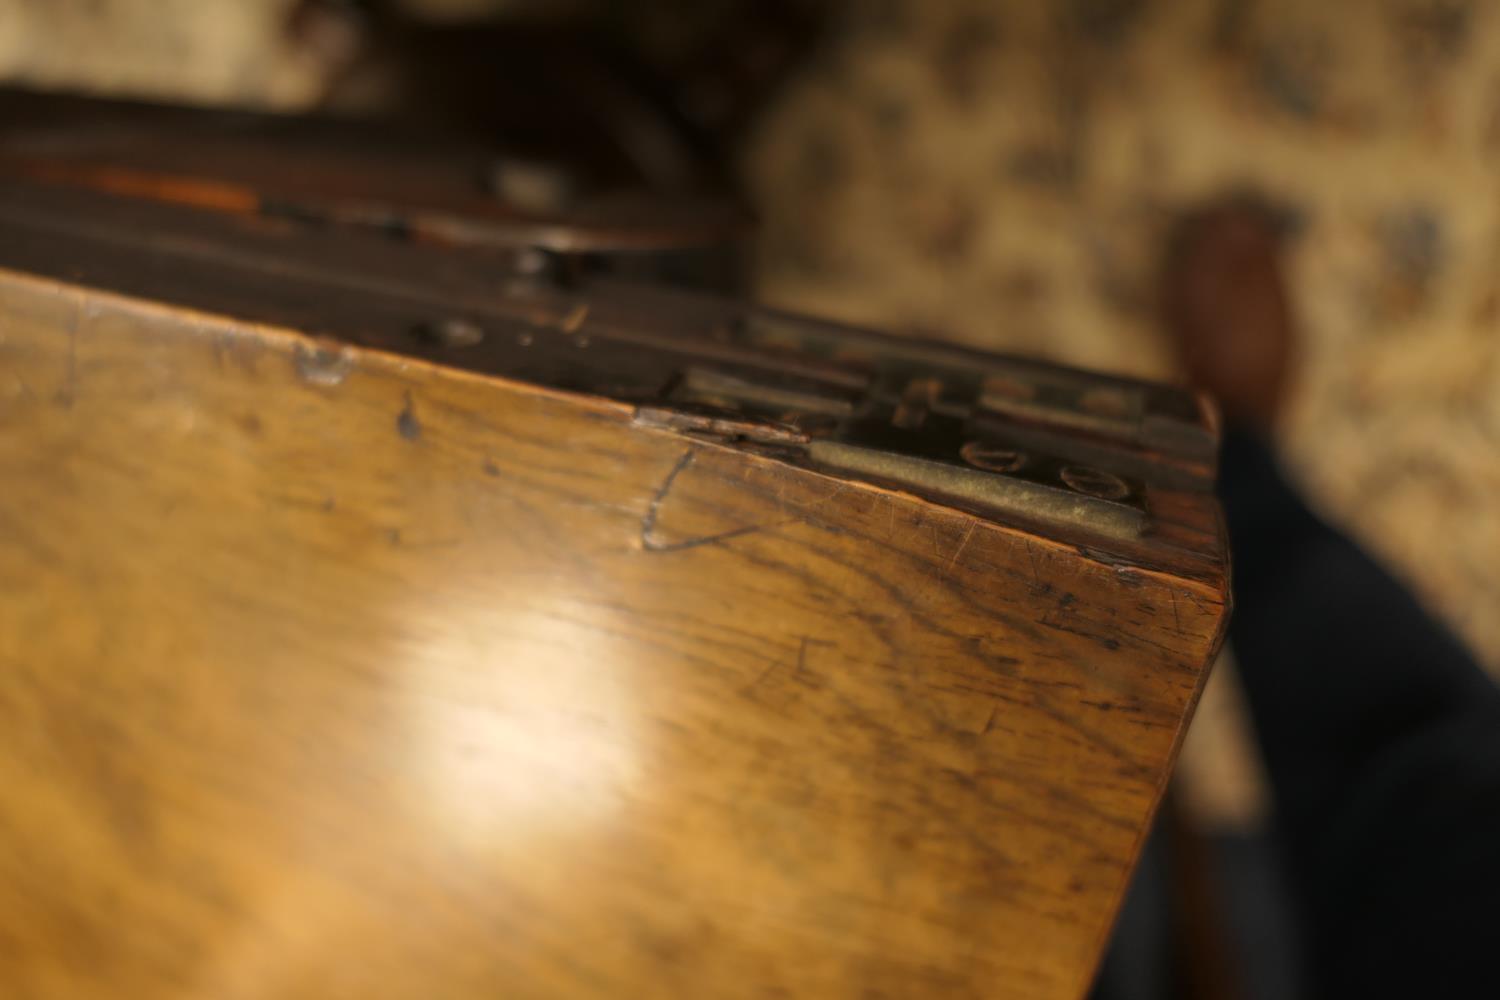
(373, 678)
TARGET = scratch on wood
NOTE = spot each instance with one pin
(960, 550)
(1036, 575)
(760, 678)
(1202, 608)
(649, 541)
(838, 491)
(800, 674)
(1176, 618)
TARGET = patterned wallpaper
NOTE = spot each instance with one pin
(1002, 173)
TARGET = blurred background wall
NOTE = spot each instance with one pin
(1003, 173)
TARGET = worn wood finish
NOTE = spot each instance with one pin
(381, 679)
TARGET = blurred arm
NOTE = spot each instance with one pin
(1382, 740)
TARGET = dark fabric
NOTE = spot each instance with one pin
(1381, 736)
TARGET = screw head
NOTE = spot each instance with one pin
(993, 458)
(1095, 482)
